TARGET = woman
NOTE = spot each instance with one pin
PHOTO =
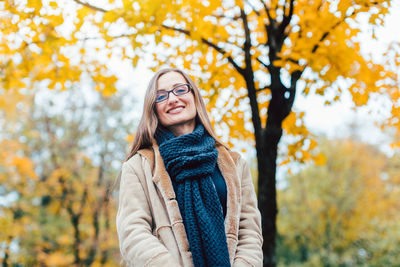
(185, 198)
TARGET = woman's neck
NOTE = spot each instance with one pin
(183, 129)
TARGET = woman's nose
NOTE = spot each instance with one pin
(172, 98)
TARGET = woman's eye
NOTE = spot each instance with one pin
(160, 97)
(180, 90)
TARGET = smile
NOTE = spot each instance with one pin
(175, 110)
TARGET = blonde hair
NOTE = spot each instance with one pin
(149, 122)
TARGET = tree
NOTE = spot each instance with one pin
(254, 55)
(59, 163)
(342, 213)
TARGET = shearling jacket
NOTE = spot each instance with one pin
(150, 227)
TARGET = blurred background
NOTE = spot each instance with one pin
(307, 89)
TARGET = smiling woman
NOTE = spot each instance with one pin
(176, 111)
(185, 198)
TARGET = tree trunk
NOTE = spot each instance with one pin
(267, 150)
(267, 140)
(6, 255)
(267, 191)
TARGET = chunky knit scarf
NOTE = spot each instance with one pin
(190, 161)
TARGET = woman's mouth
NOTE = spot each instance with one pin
(175, 110)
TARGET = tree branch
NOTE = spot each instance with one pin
(222, 16)
(100, 38)
(326, 34)
(74, 220)
(247, 43)
(271, 21)
(286, 19)
(262, 63)
(209, 43)
(248, 76)
(284, 7)
(294, 77)
(293, 61)
(91, 6)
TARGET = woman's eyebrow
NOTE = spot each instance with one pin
(175, 84)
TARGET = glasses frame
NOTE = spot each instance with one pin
(172, 91)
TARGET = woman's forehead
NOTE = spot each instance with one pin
(169, 79)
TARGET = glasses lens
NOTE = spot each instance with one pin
(161, 96)
(181, 89)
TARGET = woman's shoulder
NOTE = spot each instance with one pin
(143, 154)
(236, 157)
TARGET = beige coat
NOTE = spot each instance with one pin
(150, 228)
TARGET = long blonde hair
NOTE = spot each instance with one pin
(148, 124)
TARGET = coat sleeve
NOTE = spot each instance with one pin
(249, 249)
(139, 247)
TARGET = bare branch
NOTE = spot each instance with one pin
(262, 63)
(284, 7)
(100, 38)
(186, 32)
(83, 200)
(326, 34)
(222, 16)
(223, 52)
(286, 18)
(271, 21)
(248, 75)
(293, 61)
(91, 6)
(209, 43)
(294, 77)
(233, 43)
(247, 43)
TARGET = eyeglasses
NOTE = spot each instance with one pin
(178, 90)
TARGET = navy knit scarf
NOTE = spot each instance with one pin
(190, 161)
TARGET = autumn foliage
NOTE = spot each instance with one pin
(342, 213)
(57, 181)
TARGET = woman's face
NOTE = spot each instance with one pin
(177, 113)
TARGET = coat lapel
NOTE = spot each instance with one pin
(159, 174)
(161, 177)
(228, 169)
(162, 181)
